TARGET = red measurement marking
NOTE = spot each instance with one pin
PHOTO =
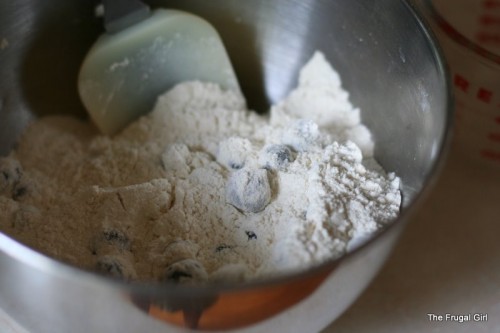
(497, 120)
(484, 95)
(489, 4)
(489, 20)
(495, 137)
(461, 82)
(491, 155)
(488, 37)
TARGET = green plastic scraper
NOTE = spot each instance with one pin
(143, 54)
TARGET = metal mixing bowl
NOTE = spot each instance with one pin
(388, 62)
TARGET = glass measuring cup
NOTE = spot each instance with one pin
(469, 33)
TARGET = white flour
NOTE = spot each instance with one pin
(201, 188)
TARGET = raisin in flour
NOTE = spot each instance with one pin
(201, 188)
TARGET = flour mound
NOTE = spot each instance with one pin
(202, 189)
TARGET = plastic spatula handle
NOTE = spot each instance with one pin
(144, 54)
(121, 14)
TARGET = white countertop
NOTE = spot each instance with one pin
(447, 261)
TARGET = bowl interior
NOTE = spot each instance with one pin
(386, 60)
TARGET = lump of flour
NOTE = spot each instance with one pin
(201, 189)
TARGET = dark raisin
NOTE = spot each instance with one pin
(249, 190)
(109, 266)
(109, 241)
(176, 276)
(186, 271)
(115, 266)
(275, 157)
(10, 174)
(251, 235)
(235, 166)
(223, 247)
(19, 191)
(115, 236)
